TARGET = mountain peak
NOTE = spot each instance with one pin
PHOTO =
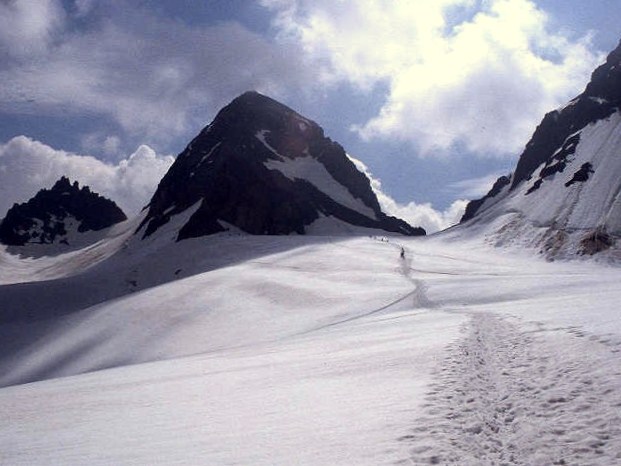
(600, 99)
(251, 97)
(63, 184)
(605, 79)
(52, 214)
(265, 169)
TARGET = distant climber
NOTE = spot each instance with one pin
(402, 255)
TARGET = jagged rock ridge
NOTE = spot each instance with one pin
(53, 213)
(265, 169)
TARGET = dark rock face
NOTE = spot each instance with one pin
(600, 99)
(581, 175)
(230, 173)
(557, 163)
(43, 219)
(554, 131)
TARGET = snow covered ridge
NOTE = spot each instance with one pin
(564, 196)
(264, 169)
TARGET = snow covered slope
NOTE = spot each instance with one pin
(301, 350)
(262, 298)
(563, 198)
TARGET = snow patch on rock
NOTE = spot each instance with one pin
(310, 169)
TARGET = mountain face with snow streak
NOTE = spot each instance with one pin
(58, 216)
(264, 169)
(565, 191)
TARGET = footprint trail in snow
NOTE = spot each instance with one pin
(520, 394)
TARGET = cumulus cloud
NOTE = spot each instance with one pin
(153, 76)
(476, 73)
(27, 166)
(423, 215)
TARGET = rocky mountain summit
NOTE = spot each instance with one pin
(262, 168)
(56, 215)
(565, 191)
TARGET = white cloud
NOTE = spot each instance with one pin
(26, 166)
(476, 73)
(153, 76)
(111, 145)
(84, 7)
(475, 188)
(27, 27)
(102, 143)
(423, 215)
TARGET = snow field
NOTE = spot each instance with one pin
(334, 351)
(536, 379)
(261, 299)
(312, 356)
(333, 398)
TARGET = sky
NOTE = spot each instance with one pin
(435, 98)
